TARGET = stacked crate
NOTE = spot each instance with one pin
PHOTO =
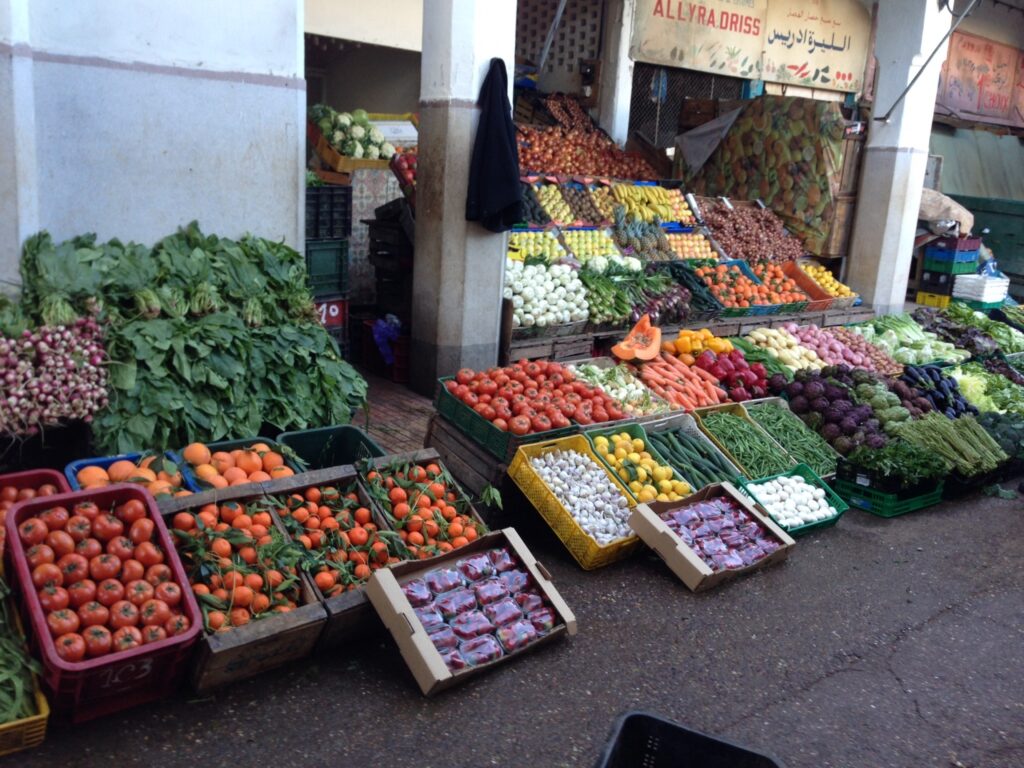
(946, 258)
(392, 233)
(328, 228)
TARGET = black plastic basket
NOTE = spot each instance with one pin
(328, 212)
(642, 740)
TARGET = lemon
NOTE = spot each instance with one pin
(641, 474)
(662, 474)
(634, 457)
(620, 453)
(610, 458)
(665, 486)
(638, 444)
(624, 475)
(646, 496)
(663, 497)
(635, 487)
(682, 488)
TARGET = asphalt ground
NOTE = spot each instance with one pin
(879, 643)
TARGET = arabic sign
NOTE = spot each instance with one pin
(983, 80)
(813, 43)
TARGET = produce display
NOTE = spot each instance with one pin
(900, 461)
(622, 386)
(733, 289)
(645, 240)
(480, 609)
(681, 385)
(758, 455)
(1009, 339)
(11, 495)
(100, 578)
(964, 445)
(691, 245)
(577, 151)
(582, 206)
(255, 463)
(618, 296)
(403, 164)
(553, 204)
(803, 444)
(646, 479)
(1007, 429)
(966, 337)
(152, 471)
(17, 689)
(529, 397)
(51, 374)
(652, 204)
(241, 568)
(888, 407)
(345, 545)
(792, 501)
(779, 283)
(864, 354)
(535, 245)
(590, 245)
(688, 343)
(585, 490)
(184, 323)
(783, 346)
(935, 387)
(753, 353)
(351, 133)
(532, 209)
(906, 342)
(695, 459)
(1003, 367)
(823, 277)
(752, 234)
(544, 295)
(740, 380)
(604, 201)
(643, 341)
(722, 533)
(826, 346)
(988, 391)
(567, 111)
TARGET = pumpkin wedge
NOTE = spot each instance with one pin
(641, 343)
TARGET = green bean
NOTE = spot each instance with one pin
(803, 444)
(753, 449)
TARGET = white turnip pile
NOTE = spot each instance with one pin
(793, 502)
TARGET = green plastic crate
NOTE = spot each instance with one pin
(327, 266)
(330, 446)
(635, 431)
(981, 306)
(885, 504)
(950, 267)
(750, 486)
(502, 445)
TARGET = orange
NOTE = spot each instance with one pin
(222, 461)
(142, 475)
(205, 471)
(272, 460)
(259, 476)
(93, 476)
(249, 461)
(231, 474)
(160, 488)
(196, 453)
(279, 472)
(218, 481)
(259, 447)
(120, 471)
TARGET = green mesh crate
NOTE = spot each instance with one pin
(885, 504)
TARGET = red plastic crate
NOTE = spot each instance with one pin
(32, 478)
(88, 689)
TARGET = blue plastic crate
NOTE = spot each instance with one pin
(71, 470)
(948, 254)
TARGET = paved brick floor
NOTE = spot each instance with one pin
(398, 416)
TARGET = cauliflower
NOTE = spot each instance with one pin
(376, 137)
(338, 138)
(342, 119)
(350, 147)
(358, 151)
(387, 149)
(358, 132)
(598, 264)
(372, 152)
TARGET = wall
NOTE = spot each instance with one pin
(393, 23)
(979, 163)
(145, 115)
(996, 23)
(373, 78)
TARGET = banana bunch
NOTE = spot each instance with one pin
(644, 202)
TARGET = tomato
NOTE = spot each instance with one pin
(153, 634)
(461, 391)
(500, 424)
(93, 613)
(89, 548)
(130, 511)
(25, 493)
(126, 638)
(158, 574)
(109, 592)
(53, 598)
(519, 407)
(54, 517)
(121, 547)
(485, 399)
(530, 393)
(464, 376)
(583, 418)
(532, 369)
(88, 510)
(148, 553)
(106, 527)
(32, 531)
(540, 423)
(104, 566)
(451, 385)
(74, 567)
(516, 387)
(47, 574)
(132, 570)
(503, 412)
(558, 421)
(155, 612)
(63, 621)
(141, 530)
(60, 542)
(488, 387)
(70, 647)
(123, 614)
(82, 592)
(39, 554)
(138, 592)
(79, 527)
(176, 625)
(555, 380)
(501, 379)
(169, 592)
(600, 414)
(470, 399)
(98, 641)
(519, 425)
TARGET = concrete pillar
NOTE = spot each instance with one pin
(616, 69)
(458, 268)
(896, 151)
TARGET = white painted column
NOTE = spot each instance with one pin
(896, 151)
(616, 69)
(459, 265)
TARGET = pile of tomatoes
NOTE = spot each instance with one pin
(239, 565)
(530, 397)
(11, 495)
(100, 579)
(345, 545)
(425, 506)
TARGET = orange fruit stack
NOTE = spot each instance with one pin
(779, 283)
(151, 472)
(733, 288)
(256, 463)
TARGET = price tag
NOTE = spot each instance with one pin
(333, 313)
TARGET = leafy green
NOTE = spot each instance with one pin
(899, 459)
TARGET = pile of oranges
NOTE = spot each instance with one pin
(153, 472)
(775, 279)
(734, 289)
(255, 464)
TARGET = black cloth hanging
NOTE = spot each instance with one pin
(495, 197)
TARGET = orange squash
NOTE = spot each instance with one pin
(641, 343)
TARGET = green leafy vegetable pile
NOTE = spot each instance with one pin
(963, 445)
(1009, 339)
(17, 691)
(989, 391)
(1007, 429)
(208, 337)
(897, 459)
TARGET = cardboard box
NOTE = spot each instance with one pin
(424, 661)
(680, 558)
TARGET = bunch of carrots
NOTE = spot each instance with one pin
(681, 385)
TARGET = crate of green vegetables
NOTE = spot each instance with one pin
(690, 452)
(744, 443)
(805, 445)
(892, 480)
(24, 711)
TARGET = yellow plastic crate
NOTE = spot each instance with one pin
(933, 299)
(587, 552)
(28, 732)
